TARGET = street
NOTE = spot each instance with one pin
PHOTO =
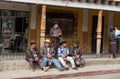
(106, 76)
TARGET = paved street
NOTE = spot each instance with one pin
(107, 76)
(54, 73)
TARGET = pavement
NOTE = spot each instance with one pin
(104, 76)
(53, 73)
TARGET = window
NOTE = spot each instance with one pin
(117, 3)
(103, 1)
(12, 24)
(66, 20)
(95, 1)
(110, 2)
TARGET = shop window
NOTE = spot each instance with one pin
(66, 21)
(8, 13)
(14, 24)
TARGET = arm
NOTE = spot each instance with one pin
(51, 32)
(59, 52)
(28, 54)
(60, 32)
(42, 52)
(68, 52)
(71, 51)
(53, 52)
(79, 52)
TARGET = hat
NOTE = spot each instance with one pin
(55, 22)
(62, 42)
(32, 42)
(76, 42)
(47, 41)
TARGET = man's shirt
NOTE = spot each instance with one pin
(55, 31)
(62, 51)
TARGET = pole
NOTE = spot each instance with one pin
(99, 31)
(43, 25)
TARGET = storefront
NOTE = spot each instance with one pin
(14, 29)
(14, 24)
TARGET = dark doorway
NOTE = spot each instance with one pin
(94, 34)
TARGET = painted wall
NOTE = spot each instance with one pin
(84, 29)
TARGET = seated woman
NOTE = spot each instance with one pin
(33, 55)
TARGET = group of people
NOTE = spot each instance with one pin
(55, 52)
(114, 38)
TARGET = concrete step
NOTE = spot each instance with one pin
(6, 65)
(53, 73)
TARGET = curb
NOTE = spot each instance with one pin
(87, 73)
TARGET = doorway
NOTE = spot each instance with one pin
(94, 35)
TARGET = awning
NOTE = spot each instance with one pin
(70, 4)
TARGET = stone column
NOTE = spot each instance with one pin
(32, 28)
(99, 30)
(43, 25)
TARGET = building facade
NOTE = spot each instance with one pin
(85, 20)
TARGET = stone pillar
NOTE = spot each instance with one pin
(32, 28)
(43, 25)
(99, 30)
(85, 31)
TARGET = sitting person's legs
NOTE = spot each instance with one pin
(45, 61)
(62, 61)
(31, 60)
(57, 64)
(82, 60)
(70, 59)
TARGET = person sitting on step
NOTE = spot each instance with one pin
(48, 54)
(76, 53)
(33, 55)
(63, 56)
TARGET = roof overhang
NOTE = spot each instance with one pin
(116, 0)
(70, 4)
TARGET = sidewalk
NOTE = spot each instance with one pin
(55, 74)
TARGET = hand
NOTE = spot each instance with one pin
(59, 33)
(55, 35)
(64, 56)
(36, 59)
(65, 59)
(77, 56)
(49, 56)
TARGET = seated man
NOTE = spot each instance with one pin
(32, 55)
(48, 54)
(76, 53)
(63, 56)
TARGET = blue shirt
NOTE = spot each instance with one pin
(117, 32)
(62, 51)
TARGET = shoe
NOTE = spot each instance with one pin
(82, 65)
(61, 69)
(75, 68)
(66, 68)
